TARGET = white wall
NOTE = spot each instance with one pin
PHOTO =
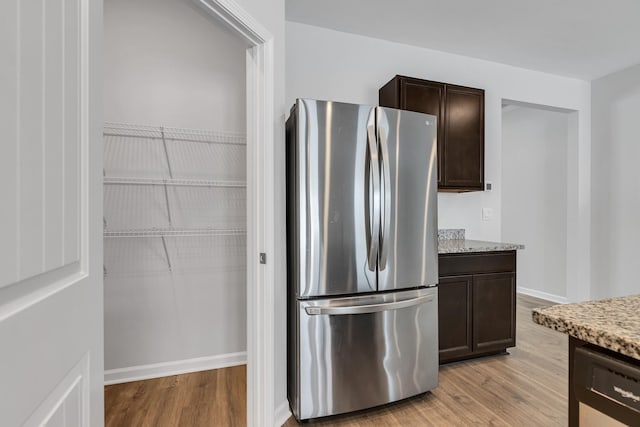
(167, 63)
(327, 64)
(616, 183)
(534, 197)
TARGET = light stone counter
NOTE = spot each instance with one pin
(612, 323)
(461, 246)
(453, 241)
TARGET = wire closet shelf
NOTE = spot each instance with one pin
(163, 136)
(175, 232)
(140, 156)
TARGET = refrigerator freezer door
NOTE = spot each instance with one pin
(335, 202)
(360, 352)
(408, 255)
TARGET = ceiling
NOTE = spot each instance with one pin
(585, 39)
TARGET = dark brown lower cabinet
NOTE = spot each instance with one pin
(454, 317)
(476, 304)
(494, 311)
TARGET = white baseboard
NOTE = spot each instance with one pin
(156, 370)
(282, 414)
(543, 295)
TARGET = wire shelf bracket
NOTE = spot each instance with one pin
(166, 252)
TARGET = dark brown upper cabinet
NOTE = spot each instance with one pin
(460, 113)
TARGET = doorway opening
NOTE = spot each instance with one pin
(182, 161)
(536, 154)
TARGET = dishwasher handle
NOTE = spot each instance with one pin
(367, 308)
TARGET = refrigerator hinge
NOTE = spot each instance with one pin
(263, 258)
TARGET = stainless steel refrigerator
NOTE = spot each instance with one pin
(362, 266)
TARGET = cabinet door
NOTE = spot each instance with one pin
(454, 317)
(426, 97)
(463, 145)
(494, 311)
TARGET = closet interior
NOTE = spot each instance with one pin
(174, 191)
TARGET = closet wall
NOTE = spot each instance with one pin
(167, 61)
(178, 302)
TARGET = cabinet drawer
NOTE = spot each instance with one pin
(473, 263)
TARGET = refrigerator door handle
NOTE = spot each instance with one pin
(368, 308)
(383, 132)
(372, 191)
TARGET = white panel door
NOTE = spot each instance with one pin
(51, 337)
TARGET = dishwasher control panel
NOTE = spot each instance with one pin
(608, 382)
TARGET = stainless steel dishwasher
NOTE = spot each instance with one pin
(607, 387)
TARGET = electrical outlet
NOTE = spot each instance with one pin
(488, 186)
(487, 214)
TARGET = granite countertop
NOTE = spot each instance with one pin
(453, 241)
(612, 323)
(455, 246)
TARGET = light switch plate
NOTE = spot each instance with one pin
(487, 214)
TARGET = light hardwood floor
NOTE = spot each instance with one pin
(208, 398)
(528, 387)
